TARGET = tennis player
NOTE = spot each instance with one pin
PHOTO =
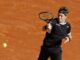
(57, 29)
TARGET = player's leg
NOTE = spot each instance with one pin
(57, 56)
(43, 54)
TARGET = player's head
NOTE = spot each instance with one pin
(62, 13)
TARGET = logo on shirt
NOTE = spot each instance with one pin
(67, 26)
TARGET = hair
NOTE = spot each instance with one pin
(63, 10)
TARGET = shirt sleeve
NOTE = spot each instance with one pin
(69, 28)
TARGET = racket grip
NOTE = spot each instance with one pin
(47, 21)
(45, 27)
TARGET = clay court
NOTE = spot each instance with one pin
(21, 28)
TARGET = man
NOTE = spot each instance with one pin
(57, 30)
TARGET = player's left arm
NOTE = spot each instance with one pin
(68, 38)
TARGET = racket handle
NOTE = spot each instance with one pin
(47, 21)
(44, 27)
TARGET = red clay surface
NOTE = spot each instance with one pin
(21, 28)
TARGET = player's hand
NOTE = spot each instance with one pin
(66, 40)
(49, 26)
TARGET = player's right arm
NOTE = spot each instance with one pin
(49, 26)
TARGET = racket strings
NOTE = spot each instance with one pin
(45, 16)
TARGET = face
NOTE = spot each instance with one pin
(62, 17)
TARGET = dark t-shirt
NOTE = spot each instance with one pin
(57, 33)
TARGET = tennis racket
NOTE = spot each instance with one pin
(46, 16)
